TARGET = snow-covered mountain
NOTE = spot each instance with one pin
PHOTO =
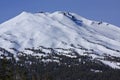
(64, 33)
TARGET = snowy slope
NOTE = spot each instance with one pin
(61, 30)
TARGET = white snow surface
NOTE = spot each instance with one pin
(59, 30)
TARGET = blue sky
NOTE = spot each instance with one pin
(101, 10)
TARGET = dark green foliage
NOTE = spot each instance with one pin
(6, 71)
(67, 69)
(30, 67)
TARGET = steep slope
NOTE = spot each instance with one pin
(64, 33)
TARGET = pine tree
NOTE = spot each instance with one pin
(6, 72)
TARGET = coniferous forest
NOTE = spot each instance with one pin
(29, 67)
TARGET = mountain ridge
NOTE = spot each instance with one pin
(63, 30)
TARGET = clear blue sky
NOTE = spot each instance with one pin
(101, 10)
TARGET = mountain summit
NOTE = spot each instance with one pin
(62, 33)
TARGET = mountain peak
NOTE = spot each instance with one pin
(24, 12)
(63, 30)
